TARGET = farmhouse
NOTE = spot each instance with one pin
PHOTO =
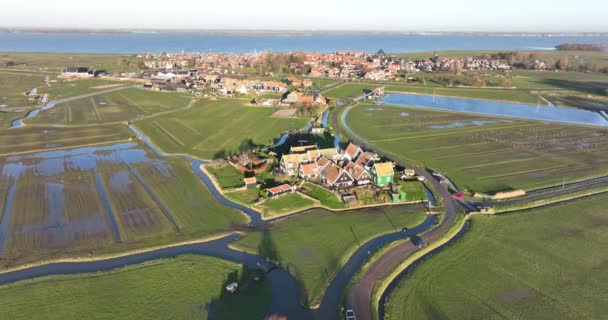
(330, 153)
(302, 149)
(335, 177)
(78, 72)
(352, 152)
(282, 189)
(289, 164)
(361, 176)
(383, 173)
(250, 183)
(309, 171)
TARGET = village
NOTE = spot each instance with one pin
(229, 74)
(332, 177)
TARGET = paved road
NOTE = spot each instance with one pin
(359, 295)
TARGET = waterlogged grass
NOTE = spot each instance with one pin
(315, 245)
(227, 176)
(539, 264)
(489, 94)
(213, 129)
(483, 154)
(59, 211)
(350, 90)
(29, 139)
(185, 287)
(326, 197)
(196, 211)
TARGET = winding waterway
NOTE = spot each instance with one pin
(286, 295)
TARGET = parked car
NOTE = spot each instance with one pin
(350, 314)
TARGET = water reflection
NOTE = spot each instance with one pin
(497, 108)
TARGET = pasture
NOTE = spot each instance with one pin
(14, 85)
(214, 129)
(314, 246)
(285, 204)
(326, 197)
(227, 176)
(55, 62)
(159, 289)
(350, 90)
(483, 154)
(545, 263)
(102, 199)
(115, 106)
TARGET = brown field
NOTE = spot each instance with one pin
(53, 213)
(137, 214)
(29, 139)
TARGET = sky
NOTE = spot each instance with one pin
(356, 15)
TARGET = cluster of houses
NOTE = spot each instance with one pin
(337, 170)
(291, 90)
(339, 64)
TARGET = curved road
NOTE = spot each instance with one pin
(359, 295)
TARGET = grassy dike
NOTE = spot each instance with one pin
(418, 256)
(545, 202)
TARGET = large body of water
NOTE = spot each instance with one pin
(497, 108)
(232, 43)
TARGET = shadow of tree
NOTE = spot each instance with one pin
(248, 299)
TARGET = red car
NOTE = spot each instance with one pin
(459, 195)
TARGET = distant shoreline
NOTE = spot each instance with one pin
(238, 32)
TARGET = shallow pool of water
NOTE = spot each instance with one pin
(497, 108)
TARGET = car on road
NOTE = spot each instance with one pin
(350, 314)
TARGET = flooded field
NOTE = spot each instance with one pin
(497, 108)
(486, 154)
(86, 200)
(30, 139)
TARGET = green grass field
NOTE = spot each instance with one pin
(315, 245)
(246, 197)
(212, 129)
(540, 264)
(413, 190)
(349, 90)
(285, 204)
(485, 154)
(326, 197)
(226, 175)
(14, 85)
(115, 106)
(185, 287)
